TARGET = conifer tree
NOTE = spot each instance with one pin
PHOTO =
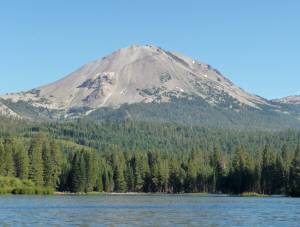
(140, 167)
(295, 173)
(2, 160)
(119, 179)
(9, 149)
(78, 172)
(57, 161)
(99, 182)
(267, 170)
(164, 175)
(279, 176)
(217, 166)
(106, 181)
(22, 163)
(36, 170)
(48, 165)
(130, 178)
(287, 159)
(91, 159)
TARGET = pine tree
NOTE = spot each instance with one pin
(267, 170)
(57, 161)
(216, 164)
(22, 163)
(36, 170)
(295, 174)
(65, 176)
(164, 175)
(192, 171)
(278, 176)
(92, 170)
(140, 168)
(174, 175)
(2, 160)
(9, 149)
(287, 159)
(78, 172)
(130, 178)
(99, 182)
(119, 179)
(48, 165)
(106, 181)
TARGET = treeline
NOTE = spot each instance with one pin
(41, 163)
(170, 137)
(194, 171)
(124, 155)
(194, 110)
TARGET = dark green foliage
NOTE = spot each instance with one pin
(92, 169)
(10, 149)
(2, 160)
(194, 110)
(21, 163)
(121, 156)
(57, 161)
(48, 164)
(78, 172)
(36, 168)
(268, 166)
(295, 174)
(27, 110)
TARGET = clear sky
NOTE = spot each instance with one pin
(255, 44)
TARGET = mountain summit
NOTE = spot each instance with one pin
(135, 74)
(132, 75)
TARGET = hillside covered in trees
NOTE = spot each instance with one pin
(129, 156)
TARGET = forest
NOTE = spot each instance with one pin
(129, 156)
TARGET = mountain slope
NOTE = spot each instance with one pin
(131, 75)
(293, 100)
(151, 79)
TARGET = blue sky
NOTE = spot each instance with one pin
(255, 44)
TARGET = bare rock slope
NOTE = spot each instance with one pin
(135, 74)
(294, 100)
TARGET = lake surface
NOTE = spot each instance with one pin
(144, 209)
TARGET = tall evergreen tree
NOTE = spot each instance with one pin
(119, 179)
(91, 159)
(295, 174)
(48, 165)
(57, 161)
(36, 170)
(2, 160)
(267, 170)
(130, 178)
(279, 175)
(9, 149)
(140, 167)
(287, 159)
(164, 175)
(78, 172)
(106, 180)
(22, 163)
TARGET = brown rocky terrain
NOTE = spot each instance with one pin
(135, 74)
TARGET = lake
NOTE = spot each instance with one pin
(148, 209)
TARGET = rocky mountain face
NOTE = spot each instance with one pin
(4, 110)
(135, 74)
(293, 100)
(131, 76)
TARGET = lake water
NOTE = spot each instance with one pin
(144, 209)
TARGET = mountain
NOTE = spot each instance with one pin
(293, 100)
(5, 111)
(149, 83)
